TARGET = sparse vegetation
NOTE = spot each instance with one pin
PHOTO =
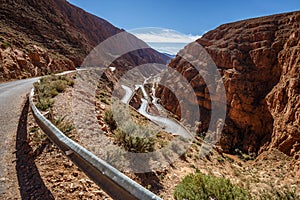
(258, 179)
(44, 103)
(46, 89)
(62, 124)
(243, 156)
(131, 136)
(49, 87)
(134, 143)
(109, 120)
(284, 194)
(201, 186)
(38, 137)
(103, 97)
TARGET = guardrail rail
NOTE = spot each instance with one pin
(111, 180)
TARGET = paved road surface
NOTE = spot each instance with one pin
(11, 99)
(169, 125)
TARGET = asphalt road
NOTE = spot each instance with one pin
(170, 125)
(128, 94)
(12, 97)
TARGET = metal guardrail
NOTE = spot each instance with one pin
(112, 181)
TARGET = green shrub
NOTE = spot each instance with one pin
(135, 138)
(38, 136)
(201, 186)
(284, 194)
(59, 85)
(134, 143)
(71, 82)
(68, 81)
(44, 103)
(103, 99)
(53, 92)
(103, 96)
(109, 120)
(49, 87)
(61, 123)
(65, 126)
(243, 156)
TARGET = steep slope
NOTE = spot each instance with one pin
(259, 63)
(39, 37)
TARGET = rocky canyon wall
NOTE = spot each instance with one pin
(258, 60)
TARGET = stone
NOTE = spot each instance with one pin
(57, 39)
(259, 61)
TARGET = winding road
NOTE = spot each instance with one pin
(169, 125)
(128, 94)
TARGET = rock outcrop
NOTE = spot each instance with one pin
(18, 64)
(258, 60)
(65, 32)
(284, 99)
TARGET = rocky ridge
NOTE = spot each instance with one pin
(258, 60)
(38, 37)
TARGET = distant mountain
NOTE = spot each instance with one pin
(39, 37)
(170, 55)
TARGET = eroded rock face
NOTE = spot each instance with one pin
(259, 63)
(66, 32)
(17, 64)
(284, 99)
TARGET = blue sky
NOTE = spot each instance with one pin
(189, 17)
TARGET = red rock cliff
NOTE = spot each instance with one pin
(259, 63)
(31, 28)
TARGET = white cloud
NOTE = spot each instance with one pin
(167, 47)
(164, 40)
(163, 35)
